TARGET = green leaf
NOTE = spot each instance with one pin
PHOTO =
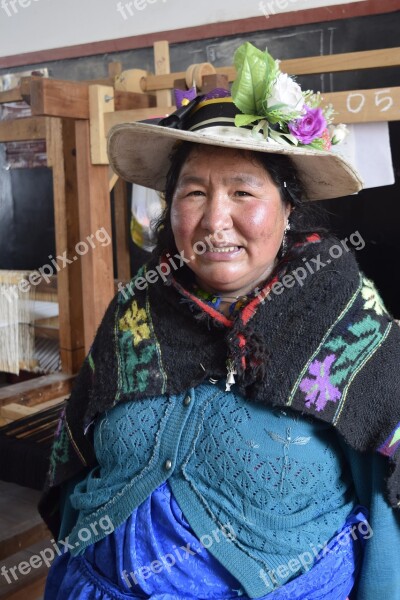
(283, 137)
(254, 70)
(243, 120)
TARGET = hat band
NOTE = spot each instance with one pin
(213, 122)
(212, 113)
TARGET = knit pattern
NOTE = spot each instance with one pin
(276, 478)
(326, 347)
(257, 477)
(124, 441)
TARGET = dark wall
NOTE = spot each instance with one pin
(26, 220)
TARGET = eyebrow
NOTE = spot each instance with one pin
(251, 180)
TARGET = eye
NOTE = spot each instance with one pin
(242, 193)
(195, 193)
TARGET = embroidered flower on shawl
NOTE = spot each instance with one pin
(135, 321)
(320, 390)
(373, 301)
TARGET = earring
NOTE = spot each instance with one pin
(284, 240)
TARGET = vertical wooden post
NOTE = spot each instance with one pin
(94, 216)
(162, 67)
(122, 230)
(61, 151)
(121, 213)
(101, 101)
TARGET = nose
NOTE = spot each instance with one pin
(217, 212)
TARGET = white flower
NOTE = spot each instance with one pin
(338, 133)
(288, 92)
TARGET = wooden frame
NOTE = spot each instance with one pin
(61, 115)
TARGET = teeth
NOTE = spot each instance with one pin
(227, 249)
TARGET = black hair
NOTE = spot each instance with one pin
(304, 219)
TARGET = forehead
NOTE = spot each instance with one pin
(216, 157)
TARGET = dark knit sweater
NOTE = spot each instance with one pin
(324, 346)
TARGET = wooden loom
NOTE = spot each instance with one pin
(74, 119)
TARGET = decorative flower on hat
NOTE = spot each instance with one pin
(277, 105)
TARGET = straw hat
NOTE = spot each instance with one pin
(140, 152)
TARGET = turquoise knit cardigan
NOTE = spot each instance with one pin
(273, 482)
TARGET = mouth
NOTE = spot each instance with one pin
(222, 253)
(224, 249)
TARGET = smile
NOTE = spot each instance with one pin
(225, 249)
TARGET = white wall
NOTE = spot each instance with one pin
(32, 25)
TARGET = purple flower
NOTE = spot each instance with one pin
(310, 126)
(183, 97)
(320, 390)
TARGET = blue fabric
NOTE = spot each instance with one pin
(155, 554)
(280, 480)
(380, 573)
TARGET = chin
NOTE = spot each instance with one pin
(221, 281)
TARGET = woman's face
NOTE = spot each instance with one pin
(226, 200)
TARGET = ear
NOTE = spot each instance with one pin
(288, 210)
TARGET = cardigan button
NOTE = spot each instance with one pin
(187, 401)
(168, 464)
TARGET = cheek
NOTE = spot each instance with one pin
(262, 220)
(182, 224)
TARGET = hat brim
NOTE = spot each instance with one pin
(140, 153)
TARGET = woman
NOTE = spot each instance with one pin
(220, 440)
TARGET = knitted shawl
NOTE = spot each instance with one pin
(319, 341)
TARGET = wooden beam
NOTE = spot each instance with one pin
(131, 100)
(70, 99)
(356, 106)
(151, 83)
(349, 61)
(37, 390)
(130, 80)
(217, 80)
(122, 230)
(362, 106)
(19, 93)
(94, 214)
(14, 411)
(28, 128)
(125, 116)
(23, 540)
(101, 101)
(62, 148)
(299, 66)
(13, 95)
(112, 179)
(31, 587)
(161, 67)
(57, 98)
